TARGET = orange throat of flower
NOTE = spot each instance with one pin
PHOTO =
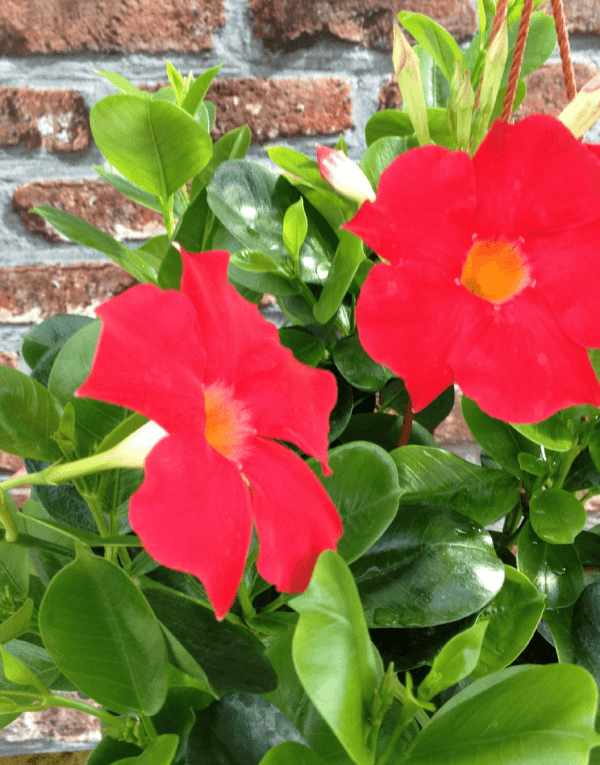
(494, 271)
(227, 423)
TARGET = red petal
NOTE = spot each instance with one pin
(294, 516)
(237, 339)
(534, 178)
(408, 319)
(519, 365)
(424, 209)
(566, 270)
(193, 514)
(141, 362)
(292, 403)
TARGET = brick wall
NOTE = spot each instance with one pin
(296, 71)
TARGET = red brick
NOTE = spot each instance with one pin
(389, 94)
(33, 293)
(108, 26)
(582, 16)
(9, 462)
(54, 119)
(95, 201)
(282, 107)
(368, 22)
(546, 93)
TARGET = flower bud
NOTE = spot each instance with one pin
(460, 108)
(345, 176)
(408, 74)
(134, 449)
(493, 69)
(584, 109)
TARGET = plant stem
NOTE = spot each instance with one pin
(406, 715)
(565, 465)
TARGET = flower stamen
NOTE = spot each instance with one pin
(227, 423)
(494, 271)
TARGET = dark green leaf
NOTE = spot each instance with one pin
(556, 516)
(585, 630)
(342, 411)
(103, 636)
(555, 570)
(384, 430)
(358, 367)
(435, 475)
(291, 753)
(441, 406)
(74, 362)
(50, 335)
(431, 566)
(558, 622)
(304, 345)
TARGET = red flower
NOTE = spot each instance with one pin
(205, 366)
(494, 271)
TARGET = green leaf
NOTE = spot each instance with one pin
(198, 89)
(103, 636)
(231, 655)
(558, 622)
(303, 344)
(291, 753)
(123, 84)
(50, 335)
(540, 45)
(551, 433)
(160, 751)
(18, 673)
(457, 659)
(511, 619)
(251, 201)
(434, 475)
(32, 664)
(585, 630)
(29, 416)
(298, 164)
(74, 362)
(555, 570)
(539, 715)
(348, 256)
(556, 516)
(295, 228)
(364, 489)
(432, 566)
(17, 623)
(358, 367)
(441, 46)
(384, 430)
(436, 87)
(441, 406)
(379, 155)
(130, 190)
(155, 144)
(331, 623)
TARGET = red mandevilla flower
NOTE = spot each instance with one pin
(209, 370)
(494, 271)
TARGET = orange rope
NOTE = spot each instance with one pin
(563, 46)
(517, 60)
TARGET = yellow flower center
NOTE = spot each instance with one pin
(227, 423)
(494, 271)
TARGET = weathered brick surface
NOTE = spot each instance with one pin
(95, 201)
(582, 16)
(546, 91)
(33, 293)
(368, 22)
(9, 462)
(106, 26)
(281, 107)
(389, 94)
(54, 119)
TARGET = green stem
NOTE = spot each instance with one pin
(149, 726)
(565, 465)
(409, 710)
(244, 599)
(54, 700)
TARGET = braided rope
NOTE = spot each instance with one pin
(564, 48)
(517, 60)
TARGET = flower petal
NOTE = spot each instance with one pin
(519, 365)
(292, 403)
(295, 518)
(534, 178)
(566, 270)
(141, 362)
(408, 319)
(424, 209)
(237, 339)
(193, 514)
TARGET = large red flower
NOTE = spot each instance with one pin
(493, 273)
(205, 366)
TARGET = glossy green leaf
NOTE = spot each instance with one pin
(155, 144)
(29, 416)
(432, 566)
(81, 232)
(556, 516)
(295, 228)
(358, 367)
(457, 659)
(379, 155)
(291, 753)
(442, 47)
(232, 145)
(251, 201)
(585, 630)
(231, 655)
(74, 362)
(433, 414)
(50, 334)
(558, 621)
(129, 189)
(551, 433)
(103, 636)
(342, 411)
(435, 475)
(538, 715)
(364, 489)
(303, 344)
(331, 623)
(384, 430)
(555, 570)
(348, 256)
(511, 618)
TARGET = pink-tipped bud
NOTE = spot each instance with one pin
(345, 176)
(584, 110)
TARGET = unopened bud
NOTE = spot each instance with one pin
(408, 74)
(345, 176)
(584, 109)
(460, 108)
(134, 449)
(493, 69)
